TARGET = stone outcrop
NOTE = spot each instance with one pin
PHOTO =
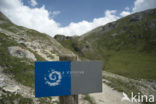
(11, 89)
(21, 53)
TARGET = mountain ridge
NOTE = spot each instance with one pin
(122, 45)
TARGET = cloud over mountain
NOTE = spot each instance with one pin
(38, 18)
(140, 5)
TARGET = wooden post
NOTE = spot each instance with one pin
(69, 99)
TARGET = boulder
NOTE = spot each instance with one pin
(11, 89)
(21, 53)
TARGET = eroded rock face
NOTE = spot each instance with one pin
(21, 53)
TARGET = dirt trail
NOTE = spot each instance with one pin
(146, 87)
(108, 96)
(111, 96)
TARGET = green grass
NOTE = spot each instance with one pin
(132, 64)
(132, 61)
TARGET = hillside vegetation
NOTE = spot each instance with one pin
(126, 47)
(20, 47)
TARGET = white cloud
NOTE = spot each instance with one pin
(33, 3)
(55, 13)
(38, 18)
(125, 13)
(140, 5)
(84, 26)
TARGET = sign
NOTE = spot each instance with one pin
(59, 78)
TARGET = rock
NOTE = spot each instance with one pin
(11, 89)
(109, 26)
(136, 18)
(53, 100)
(21, 53)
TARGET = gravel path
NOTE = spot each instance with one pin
(145, 86)
(109, 96)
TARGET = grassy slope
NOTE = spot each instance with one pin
(131, 53)
(132, 64)
(21, 69)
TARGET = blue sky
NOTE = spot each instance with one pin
(78, 10)
(70, 17)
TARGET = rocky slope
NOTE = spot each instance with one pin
(19, 48)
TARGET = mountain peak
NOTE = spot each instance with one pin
(3, 18)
